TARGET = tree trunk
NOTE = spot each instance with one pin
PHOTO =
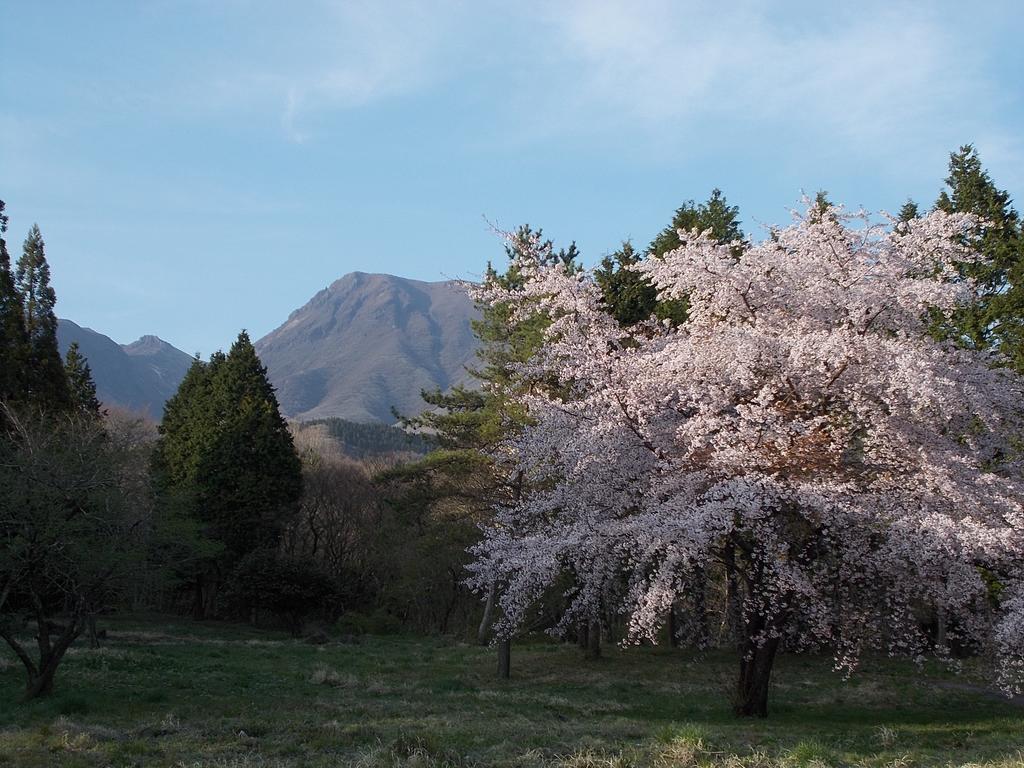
(700, 609)
(40, 678)
(755, 678)
(198, 604)
(483, 634)
(594, 639)
(733, 599)
(940, 629)
(505, 659)
(41, 684)
(94, 640)
(673, 626)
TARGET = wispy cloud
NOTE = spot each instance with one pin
(861, 74)
(377, 50)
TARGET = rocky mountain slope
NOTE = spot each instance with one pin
(367, 343)
(140, 376)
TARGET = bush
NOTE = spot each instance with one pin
(378, 623)
(291, 589)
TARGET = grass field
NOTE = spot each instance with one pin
(169, 692)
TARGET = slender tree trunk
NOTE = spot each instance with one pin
(940, 629)
(755, 678)
(483, 634)
(505, 659)
(94, 640)
(198, 603)
(608, 625)
(673, 626)
(700, 609)
(594, 638)
(733, 599)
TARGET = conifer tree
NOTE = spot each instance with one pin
(13, 342)
(80, 384)
(996, 320)
(47, 385)
(629, 295)
(908, 211)
(226, 454)
(251, 473)
(468, 423)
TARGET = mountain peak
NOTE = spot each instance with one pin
(147, 345)
(368, 343)
(140, 376)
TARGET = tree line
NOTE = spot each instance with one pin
(225, 512)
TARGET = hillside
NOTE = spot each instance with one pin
(140, 376)
(368, 343)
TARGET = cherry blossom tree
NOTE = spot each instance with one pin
(801, 434)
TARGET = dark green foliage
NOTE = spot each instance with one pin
(46, 383)
(821, 205)
(359, 440)
(628, 295)
(290, 588)
(996, 320)
(908, 211)
(225, 452)
(451, 491)
(715, 214)
(466, 421)
(72, 519)
(13, 341)
(81, 387)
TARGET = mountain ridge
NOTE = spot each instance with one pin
(139, 376)
(367, 343)
(358, 348)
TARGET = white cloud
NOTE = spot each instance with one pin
(375, 50)
(862, 74)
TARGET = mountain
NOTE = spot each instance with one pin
(367, 343)
(140, 376)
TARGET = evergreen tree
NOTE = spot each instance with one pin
(458, 481)
(716, 214)
(996, 320)
(226, 454)
(628, 295)
(47, 386)
(908, 211)
(80, 384)
(250, 473)
(13, 342)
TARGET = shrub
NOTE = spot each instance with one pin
(291, 589)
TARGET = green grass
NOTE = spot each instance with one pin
(169, 692)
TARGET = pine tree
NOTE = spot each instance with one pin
(13, 342)
(996, 320)
(908, 211)
(46, 384)
(716, 214)
(225, 453)
(82, 387)
(458, 480)
(251, 473)
(628, 295)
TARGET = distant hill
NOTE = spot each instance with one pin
(368, 343)
(360, 440)
(140, 376)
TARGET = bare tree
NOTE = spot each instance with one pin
(72, 514)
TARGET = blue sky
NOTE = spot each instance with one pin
(198, 167)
